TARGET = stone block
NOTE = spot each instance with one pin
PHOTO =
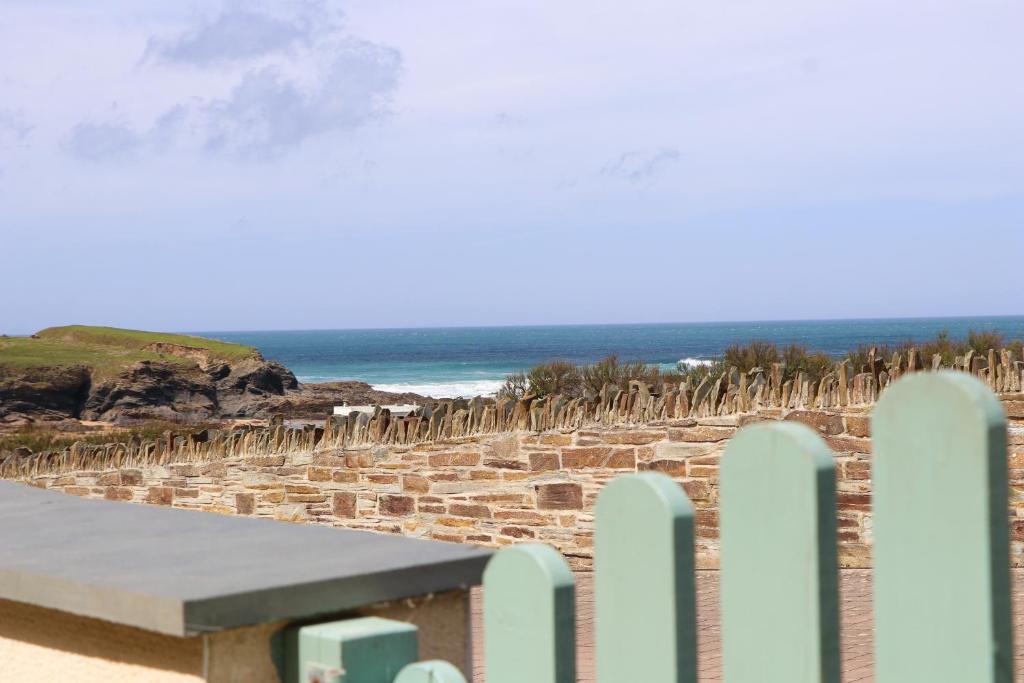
(245, 503)
(848, 444)
(397, 506)
(685, 451)
(673, 468)
(131, 478)
(343, 504)
(701, 434)
(501, 464)
(541, 462)
(858, 425)
(117, 493)
(598, 457)
(824, 423)
(1014, 409)
(344, 476)
(517, 532)
(455, 458)
(468, 510)
(556, 439)
(562, 496)
(318, 474)
(413, 483)
(634, 437)
(160, 495)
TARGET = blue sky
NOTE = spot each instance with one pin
(275, 165)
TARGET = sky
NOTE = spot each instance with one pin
(199, 165)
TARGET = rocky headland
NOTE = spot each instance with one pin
(125, 376)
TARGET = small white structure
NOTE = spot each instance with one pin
(396, 410)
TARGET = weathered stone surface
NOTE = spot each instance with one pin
(673, 468)
(594, 457)
(635, 437)
(160, 495)
(118, 493)
(560, 497)
(397, 506)
(460, 487)
(701, 434)
(413, 483)
(858, 425)
(245, 503)
(1014, 409)
(824, 423)
(544, 461)
(467, 510)
(456, 458)
(343, 504)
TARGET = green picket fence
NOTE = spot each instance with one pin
(941, 573)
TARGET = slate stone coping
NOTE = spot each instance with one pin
(182, 572)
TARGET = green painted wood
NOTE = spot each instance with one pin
(644, 597)
(780, 605)
(529, 617)
(433, 671)
(361, 650)
(942, 584)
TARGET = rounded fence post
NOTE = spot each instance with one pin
(780, 604)
(942, 577)
(529, 617)
(643, 583)
(433, 671)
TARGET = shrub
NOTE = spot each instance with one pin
(797, 359)
(555, 377)
(756, 354)
(981, 342)
(610, 371)
(944, 346)
(515, 387)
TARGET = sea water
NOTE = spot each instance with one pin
(470, 361)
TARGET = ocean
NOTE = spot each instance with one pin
(470, 361)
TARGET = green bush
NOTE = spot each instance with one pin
(555, 377)
(563, 377)
(515, 387)
(610, 371)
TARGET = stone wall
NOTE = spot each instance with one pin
(494, 489)
(730, 394)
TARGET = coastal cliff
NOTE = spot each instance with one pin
(112, 375)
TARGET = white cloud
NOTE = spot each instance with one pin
(237, 33)
(641, 166)
(289, 78)
(14, 129)
(102, 141)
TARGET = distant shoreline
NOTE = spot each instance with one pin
(475, 360)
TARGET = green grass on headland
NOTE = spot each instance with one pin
(106, 350)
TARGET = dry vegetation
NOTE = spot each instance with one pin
(568, 379)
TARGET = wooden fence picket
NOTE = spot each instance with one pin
(942, 587)
(529, 617)
(433, 671)
(644, 583)
(780, 606)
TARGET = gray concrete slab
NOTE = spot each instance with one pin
(183, 572)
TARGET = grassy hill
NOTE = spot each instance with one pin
(107, 350)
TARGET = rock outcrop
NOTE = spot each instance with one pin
(252, 387)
